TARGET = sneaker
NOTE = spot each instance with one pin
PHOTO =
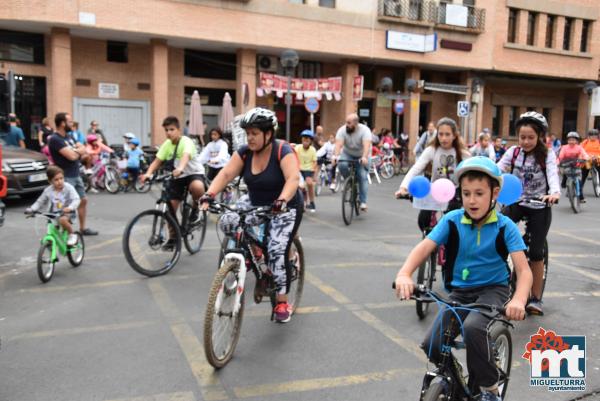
(169, 246)
(282, 312)
(489, 396)
(89, 231)
(88, 171)
(311, 207)
(72, 240)
(535, 307)
(363, 207)
(581, 200)
(94, 190)
(332, 186)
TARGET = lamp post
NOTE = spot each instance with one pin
(588, 88)
(289, 60)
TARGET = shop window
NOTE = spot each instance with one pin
(213, 65)
(568, 33)
(550, 31)
(21, 47)
(513, 113)
(296, 1)
(512, 25)
(497, 120)
(367, 71)
(585, 34)
(531, 20)
(116, 52)
(546, 113)
(327, 3)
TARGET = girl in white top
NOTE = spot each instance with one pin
(444, 154)
(215, 154)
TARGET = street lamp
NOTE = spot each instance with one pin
(588, 88)
(386, 85)
(289, 60)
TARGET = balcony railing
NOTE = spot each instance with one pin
(429, 12)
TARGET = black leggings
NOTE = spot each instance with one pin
(539, 225)
(212, 172)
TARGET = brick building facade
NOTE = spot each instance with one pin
(507, 56)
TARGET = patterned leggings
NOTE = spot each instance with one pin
(282, 230)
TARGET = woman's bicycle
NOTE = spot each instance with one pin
(350, 200)
(245, 250)
(426, 272)
(448, 381)
(146, 238)
(595, 166)
(572, 170)
(54, 244)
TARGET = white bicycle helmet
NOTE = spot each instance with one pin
(573, 134)
(535, 118)
(263, 119)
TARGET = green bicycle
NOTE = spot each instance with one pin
(54, 244)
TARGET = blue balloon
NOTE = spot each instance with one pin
(419, 187)
(511, 190)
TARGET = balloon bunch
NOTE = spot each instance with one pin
(443, 190)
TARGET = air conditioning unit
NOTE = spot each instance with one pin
(267, 63)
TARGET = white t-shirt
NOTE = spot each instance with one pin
(443, 162)
(215, 154)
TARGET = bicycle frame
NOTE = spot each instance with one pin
(57, 237)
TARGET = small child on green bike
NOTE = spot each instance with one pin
(478, 241)
(59, 196)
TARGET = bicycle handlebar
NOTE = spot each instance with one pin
(537, 201)
(261, 211)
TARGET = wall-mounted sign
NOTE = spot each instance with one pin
(411, 42)
(110, 91)
(456, 14)
(455, 45)
(87, 18)
(357, 88)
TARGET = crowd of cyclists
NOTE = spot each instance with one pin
(276, 172)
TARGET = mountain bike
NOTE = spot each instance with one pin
(448, 381)
(572, 170)
(527, 240)
(54, 244)
(245, 250)
(350, 199)
(426, 272)
(146, 238)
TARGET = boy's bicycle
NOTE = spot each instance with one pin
(350, 201)
(244, 250)
(448, 381)
(426, 272)
(146, 238)
(54, 244)
(572, 170)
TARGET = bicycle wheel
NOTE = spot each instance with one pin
(87, 182)
(222, 325)
(573, 198)
(45, 263)
(142, 188)
(111, 180)
(387, 170)
(321, 181)
(145, 243)
(438, 391)
(76, 252)
(502, 347)
(546, 254)
(347, 201)
(195, 233)
(355, 197)
(596, 181)
(425, 276)
(404, 167)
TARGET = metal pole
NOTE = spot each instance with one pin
(12, 88)
(312, 122)
(288, 104)
(397, 125)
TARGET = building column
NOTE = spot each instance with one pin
(559, 33)
(160, 87)
(583, 109)
(521, 36)
(349, 71)
(540, 29)
(61, 76)
(245, 74)
(411, 109)
(557, 115)
(576, 37)
(505, 120)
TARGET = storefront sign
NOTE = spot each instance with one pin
(357, 88)
(456, 14)
(411, 42)
(455, 45)
(110, 91)
(330, 87)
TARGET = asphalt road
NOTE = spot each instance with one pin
(103, 332)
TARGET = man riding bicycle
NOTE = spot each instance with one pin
(271, 172)
(178, 153)
(478, 242)
(355, 140)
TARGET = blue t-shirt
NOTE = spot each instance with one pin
(477, 262)
(264, 188)
(15, 135)
(133, 158)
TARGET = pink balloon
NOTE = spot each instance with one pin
(442, 190)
